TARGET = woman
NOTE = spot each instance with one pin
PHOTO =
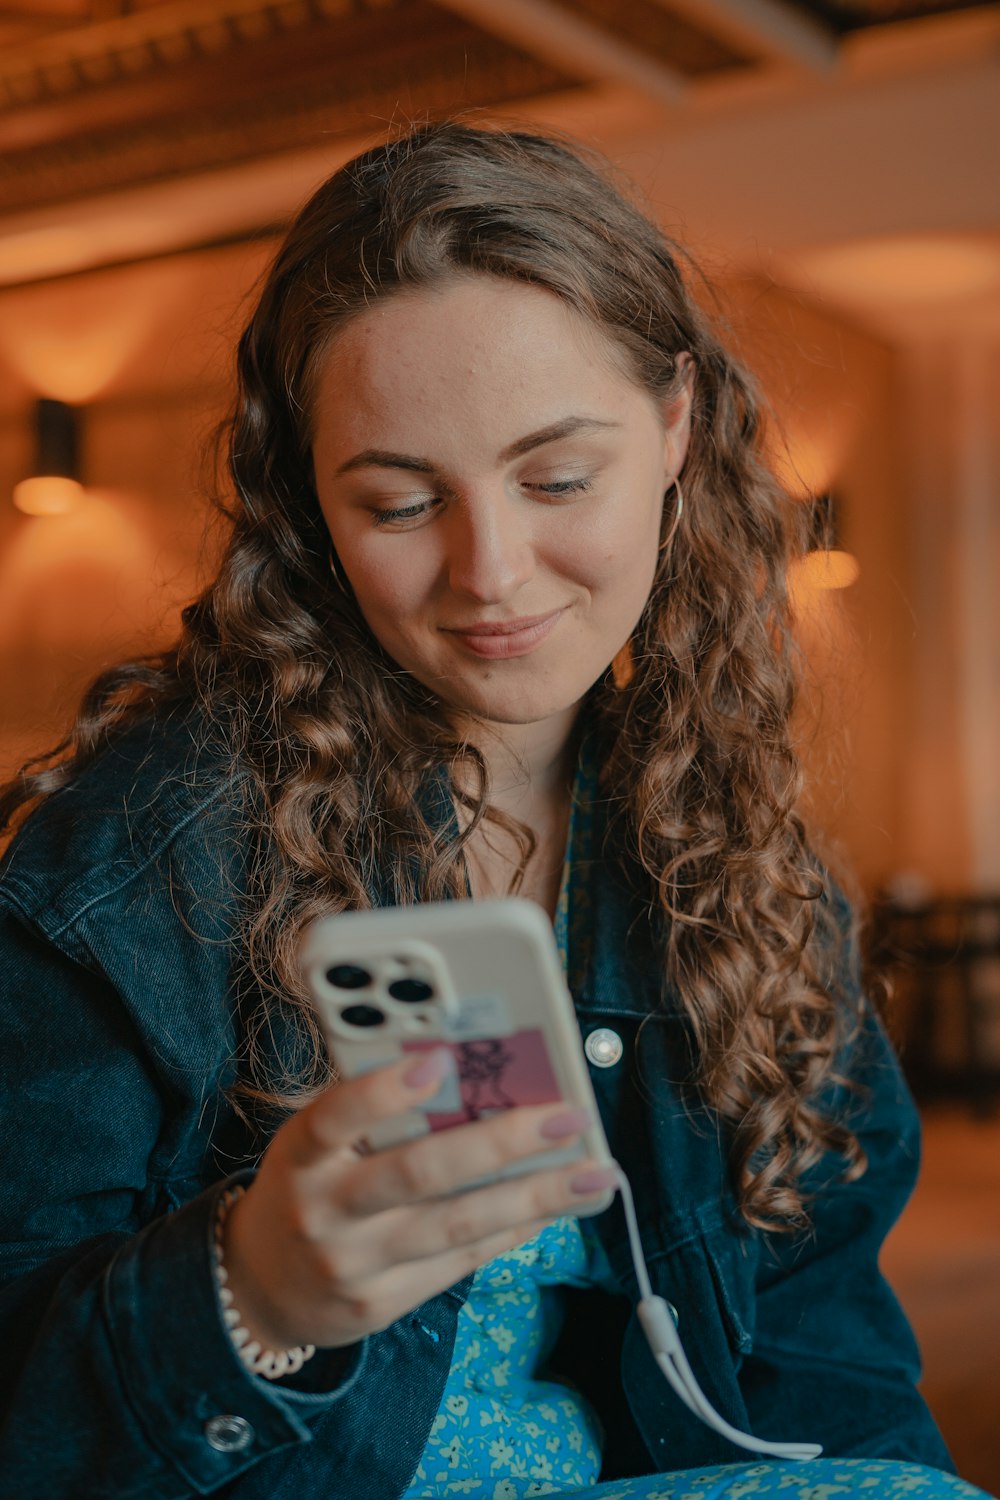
(503, 548)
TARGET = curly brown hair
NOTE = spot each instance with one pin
(337, 741)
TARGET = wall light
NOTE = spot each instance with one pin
(825, 565)
(53, 487)
(830, 569)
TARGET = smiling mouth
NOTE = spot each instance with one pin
(503, 638)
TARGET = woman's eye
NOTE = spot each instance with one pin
(564, 486)
(402, 513)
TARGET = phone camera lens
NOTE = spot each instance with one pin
(411, 990)
(363, 1015)
(348, 977)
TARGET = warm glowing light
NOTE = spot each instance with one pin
(74, 340)
(80, 584)
(904, 268)
(47, 495)
(818, 571)
(807, 463)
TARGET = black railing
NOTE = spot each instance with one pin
(942, 961)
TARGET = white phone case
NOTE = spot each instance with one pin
(480, 977)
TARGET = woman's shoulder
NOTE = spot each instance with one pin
(161, 789)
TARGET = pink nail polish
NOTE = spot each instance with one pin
(558, 1127)
(433, 1067)
(594, 1180)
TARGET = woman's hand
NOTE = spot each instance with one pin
(328, 1245)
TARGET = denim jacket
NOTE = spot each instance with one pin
(120, 1029)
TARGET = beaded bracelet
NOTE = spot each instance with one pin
(270, 1363)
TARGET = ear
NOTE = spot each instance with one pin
(676, 414)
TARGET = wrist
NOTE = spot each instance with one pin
(263, 1348)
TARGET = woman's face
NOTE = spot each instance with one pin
(494, 486)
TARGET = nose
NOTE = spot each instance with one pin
(490, 550)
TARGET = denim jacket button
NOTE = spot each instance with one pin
(229, 1434)
(603, 1047)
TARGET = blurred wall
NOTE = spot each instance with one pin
(146, 350)
(831, 389)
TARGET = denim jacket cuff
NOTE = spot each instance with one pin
(199, 1406)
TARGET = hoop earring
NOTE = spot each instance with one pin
(678, 512)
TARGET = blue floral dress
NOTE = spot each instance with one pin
(500, 1428)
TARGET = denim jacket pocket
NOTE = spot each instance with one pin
(732, 1263)
(709, 1281)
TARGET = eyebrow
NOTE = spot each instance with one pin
(382, 458)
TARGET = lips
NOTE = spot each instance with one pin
(498, 639)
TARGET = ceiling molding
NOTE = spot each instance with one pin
(280, 92)
(915, 49)
(569, 40)
(145, 41)
(773, 29)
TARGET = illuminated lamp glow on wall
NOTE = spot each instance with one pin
(825, 564)
(53, 487)
(830, 569)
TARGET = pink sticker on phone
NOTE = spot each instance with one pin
(494, 1074)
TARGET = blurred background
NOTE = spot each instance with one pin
(835, 169)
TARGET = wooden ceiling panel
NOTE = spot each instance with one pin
(102, 95)
(853, 15)
(674, 39)
(20, 25)
(23, 22)
(47, 12)
(240, 86)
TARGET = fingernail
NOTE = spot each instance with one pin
(558, 1127)
(433, 1067)
(594, 1180)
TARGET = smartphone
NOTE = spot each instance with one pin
(482, 978)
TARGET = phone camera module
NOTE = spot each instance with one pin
(348, 977)
(363, 1015)
(412, 991)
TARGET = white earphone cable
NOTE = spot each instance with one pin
(668, 1351)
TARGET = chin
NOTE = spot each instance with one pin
(514, 707)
